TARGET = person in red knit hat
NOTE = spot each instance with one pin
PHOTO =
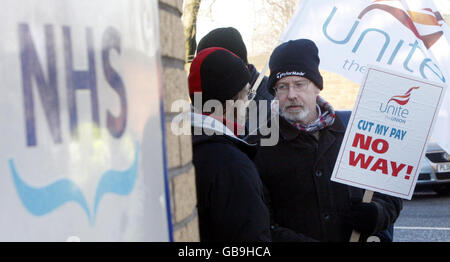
(229, 191)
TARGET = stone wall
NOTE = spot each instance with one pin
(183, 198)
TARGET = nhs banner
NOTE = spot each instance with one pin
(407, 36)
(81, 147)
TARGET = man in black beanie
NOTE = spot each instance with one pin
(305, 204)
(229, 190)
(230, 38)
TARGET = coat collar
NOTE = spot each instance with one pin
(327, 138)
(213, 124)
(214, 130)
(289, 132)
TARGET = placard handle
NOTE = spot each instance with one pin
(368, 194)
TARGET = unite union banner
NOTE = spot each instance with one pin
(407, 36)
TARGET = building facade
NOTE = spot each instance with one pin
(179, 148)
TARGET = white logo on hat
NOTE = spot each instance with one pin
(292, 73)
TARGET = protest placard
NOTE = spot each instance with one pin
(388, 131)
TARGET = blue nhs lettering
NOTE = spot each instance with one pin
(426, 66)
(47, 86)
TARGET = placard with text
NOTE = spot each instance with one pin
(388, 131)
(82, 149)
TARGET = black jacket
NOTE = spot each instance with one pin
(305, 204)
(229, 190)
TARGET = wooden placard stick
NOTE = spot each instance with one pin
(368, 194)
(258, 81)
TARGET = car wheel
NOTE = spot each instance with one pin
(442, 189)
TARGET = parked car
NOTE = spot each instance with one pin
(435, 167)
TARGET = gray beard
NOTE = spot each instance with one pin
(296, 117)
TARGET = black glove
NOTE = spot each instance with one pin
(363, 217)
(283, 234)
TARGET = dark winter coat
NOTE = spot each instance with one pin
(305, 204)
(229, 190)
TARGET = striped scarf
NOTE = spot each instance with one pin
(326, 118)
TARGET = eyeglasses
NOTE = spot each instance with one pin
(298, 86)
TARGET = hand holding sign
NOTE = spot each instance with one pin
(366, 199)
(385, 140)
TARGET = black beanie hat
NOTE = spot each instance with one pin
(225, 37)
(218, 74)
(295, 58)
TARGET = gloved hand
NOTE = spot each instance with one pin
(363, 217)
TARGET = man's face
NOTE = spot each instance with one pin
(297, 96)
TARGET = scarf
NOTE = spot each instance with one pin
(233, 126)
(325, 119)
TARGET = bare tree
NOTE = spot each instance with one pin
(274, 18)
(190, 13)
(207, 9)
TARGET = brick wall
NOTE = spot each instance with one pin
(340, 92)
(183, 197)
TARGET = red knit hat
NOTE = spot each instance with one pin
(218, 74)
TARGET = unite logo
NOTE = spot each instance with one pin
(394, 112)
(403, 99)
(424, 23)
